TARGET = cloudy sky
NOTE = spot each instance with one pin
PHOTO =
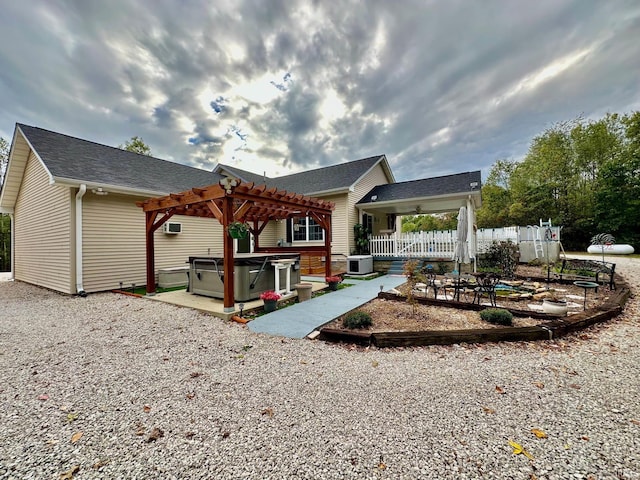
(282, 86)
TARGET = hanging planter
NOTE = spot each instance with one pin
(238, 230)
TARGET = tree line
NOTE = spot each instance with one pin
(582, 174)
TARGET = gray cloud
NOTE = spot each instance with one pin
(439, 87)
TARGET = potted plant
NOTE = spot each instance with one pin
(555, 305)
(238, 230)
(270, 299)
(333, 281)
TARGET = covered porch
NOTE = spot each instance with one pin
(385, 204)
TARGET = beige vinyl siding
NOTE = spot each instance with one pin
(15, 174)
(375, 177)
(273, 232)
(339, 225)
(43, 233)
(114, 242)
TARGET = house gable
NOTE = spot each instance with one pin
(43, 230)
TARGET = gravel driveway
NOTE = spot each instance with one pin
(111, 386)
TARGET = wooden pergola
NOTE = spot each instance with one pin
(232, 201)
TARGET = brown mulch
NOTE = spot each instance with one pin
(390, 315)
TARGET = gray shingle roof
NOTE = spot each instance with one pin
(89, 162)
(427, 187)
(333, 177)
(243, 175)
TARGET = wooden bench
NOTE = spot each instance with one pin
(571, 270)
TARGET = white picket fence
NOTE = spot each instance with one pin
(441, 244)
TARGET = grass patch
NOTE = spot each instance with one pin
(142, 290)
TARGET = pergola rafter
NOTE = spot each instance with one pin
(232, 201)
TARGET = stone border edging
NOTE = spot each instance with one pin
(555, 328)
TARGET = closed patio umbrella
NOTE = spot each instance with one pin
(461, 250)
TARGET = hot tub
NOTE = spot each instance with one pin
(253, 274)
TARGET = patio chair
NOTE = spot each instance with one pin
(433, 283)
(486, 286)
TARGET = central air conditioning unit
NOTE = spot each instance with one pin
(172, 228)
(360, 264)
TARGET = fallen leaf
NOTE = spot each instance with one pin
(374, 364)
(585, 438)
(43, 397)
(635, 422)
(500, 390)
(68, 475)
(100, 463)
(488, 410)
(267, 411)
(226, 434)
(538, 433)
(146, 409)
(139, 429)
(519, 449)
(382, 466)
(195, 374)
(155, 434)
(71, 417)
(539, 384)
(190, 396)
(575, 386)
(76, 436)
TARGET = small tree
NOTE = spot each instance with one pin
(5, 222)
(4, 158)
(361, 239)
(136, 145)
(414, 276)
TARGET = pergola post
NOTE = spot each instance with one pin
(227, 218)
(327, 246)
(150, 252)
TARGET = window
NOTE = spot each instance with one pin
(305, 229)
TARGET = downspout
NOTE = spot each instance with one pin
(12, 275)
(79, 287)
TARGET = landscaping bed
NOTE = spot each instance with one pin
(428, 321)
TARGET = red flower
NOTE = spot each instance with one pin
(270, 295)
(333, 279)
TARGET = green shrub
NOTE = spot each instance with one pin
(501, 258)
(357, 319)
(498, 316)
